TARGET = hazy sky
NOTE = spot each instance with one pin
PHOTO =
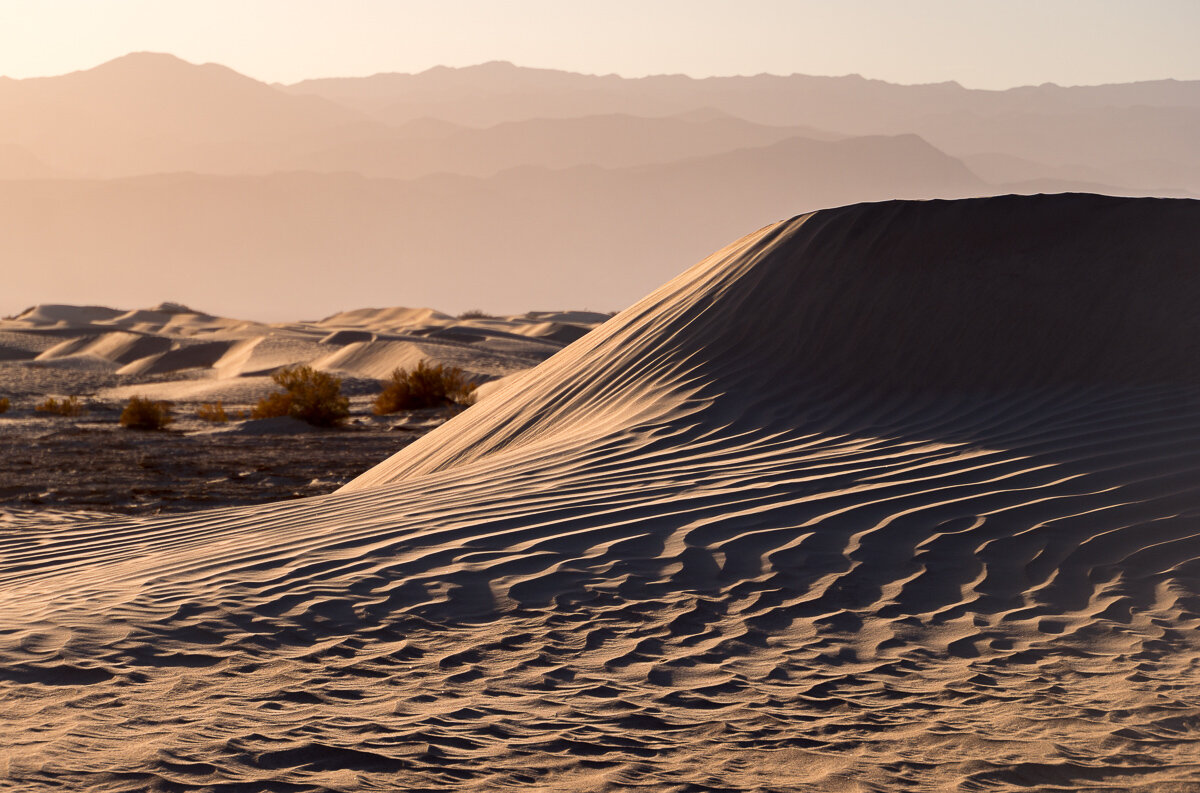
(980, 43)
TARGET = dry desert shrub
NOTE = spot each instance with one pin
(273, 406)
(212, 411)
(71, 406)
(4, 404)
(308, 394)
(475, 313)
(171, 307)
(424, 387)
(142, 413)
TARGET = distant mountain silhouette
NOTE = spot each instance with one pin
(612, 141)
(17, 162)
(528, 237)
(147, 113)
(151, 113)
(502, 187)
(1137, 135)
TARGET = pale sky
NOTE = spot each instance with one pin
(980, 43)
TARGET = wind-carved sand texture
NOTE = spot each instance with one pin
(899, 496)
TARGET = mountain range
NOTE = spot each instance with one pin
(501, 186)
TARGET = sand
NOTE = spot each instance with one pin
(174, 353)
(898, 496)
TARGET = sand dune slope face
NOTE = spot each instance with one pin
(849, 306)
(891, 497)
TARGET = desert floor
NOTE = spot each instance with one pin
(105, 356)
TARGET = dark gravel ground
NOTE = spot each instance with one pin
(93, 464)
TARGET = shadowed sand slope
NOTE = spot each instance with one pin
(863, 303)
(890, 497)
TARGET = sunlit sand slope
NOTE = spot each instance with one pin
(891, 497)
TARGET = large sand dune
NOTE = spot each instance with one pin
(891, 497)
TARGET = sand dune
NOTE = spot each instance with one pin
(890, 497)
(171, 352)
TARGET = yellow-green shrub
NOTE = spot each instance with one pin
(424, 387)
(308, 395)
(212, 411)
(71, 406)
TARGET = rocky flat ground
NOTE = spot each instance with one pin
(92, 463)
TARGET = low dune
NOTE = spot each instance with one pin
(172, 352)
(896, 496)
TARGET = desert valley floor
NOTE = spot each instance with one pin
(897, 496)
(103, 357)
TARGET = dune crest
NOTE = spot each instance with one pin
(889, 497)
(870, 302)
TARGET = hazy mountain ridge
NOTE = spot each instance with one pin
(147, 113)
(444, 84)
(613, 141)
(524, 237)
(1044, 124)
(17, 162)
(503, 187)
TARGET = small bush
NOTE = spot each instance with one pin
(424, 387)
(171, 307)
(71, 406)
(143, 413)
(4, 404)
(273, 406)
(475, 313)
(212, 411)
(310, 395)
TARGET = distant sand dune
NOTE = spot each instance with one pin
(182, 355)
(890, 497)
